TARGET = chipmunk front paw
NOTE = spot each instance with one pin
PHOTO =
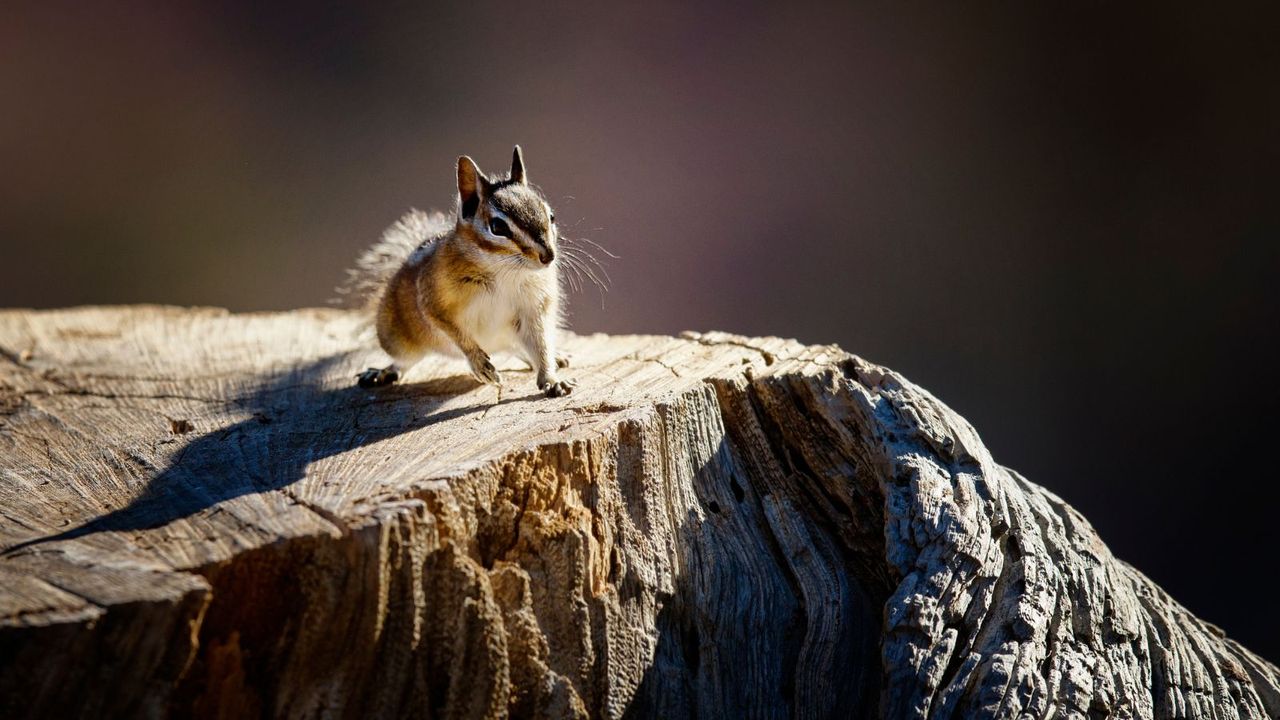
(482, 367)
(557, 388)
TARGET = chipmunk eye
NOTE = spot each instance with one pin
(498, 226)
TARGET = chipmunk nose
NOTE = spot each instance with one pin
(547, 255)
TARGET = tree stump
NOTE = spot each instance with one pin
(201, 515)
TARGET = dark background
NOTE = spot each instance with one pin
(1061, 220)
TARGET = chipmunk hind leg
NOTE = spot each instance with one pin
(404, 355)
(378, 377)
(402, 332)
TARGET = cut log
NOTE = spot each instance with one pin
(201, 515)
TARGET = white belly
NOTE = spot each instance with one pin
(491, 320)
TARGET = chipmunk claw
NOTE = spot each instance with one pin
(377, 377)
(558, 388)
(562, 361)
(485, 372)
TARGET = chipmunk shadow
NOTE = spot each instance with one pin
(296, 418)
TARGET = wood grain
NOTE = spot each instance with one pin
(201, 515)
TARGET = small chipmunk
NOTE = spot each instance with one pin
(483, 282)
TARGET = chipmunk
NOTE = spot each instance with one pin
(482, 282)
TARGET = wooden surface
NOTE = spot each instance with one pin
(201, 515)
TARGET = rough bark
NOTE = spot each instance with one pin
(202, 515)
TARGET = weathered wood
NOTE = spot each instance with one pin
(202, 516)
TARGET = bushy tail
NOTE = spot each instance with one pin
(414, 232)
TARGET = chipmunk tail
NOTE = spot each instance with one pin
(413, 233)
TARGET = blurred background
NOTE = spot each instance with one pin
(1063, 221)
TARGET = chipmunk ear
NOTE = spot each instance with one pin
(517, 167)
(471, 185)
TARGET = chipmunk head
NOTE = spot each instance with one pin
(507, 216)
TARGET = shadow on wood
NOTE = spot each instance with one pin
(247, 457)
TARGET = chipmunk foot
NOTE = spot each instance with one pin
(378, 377)
(557, 388)
(483, 370)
